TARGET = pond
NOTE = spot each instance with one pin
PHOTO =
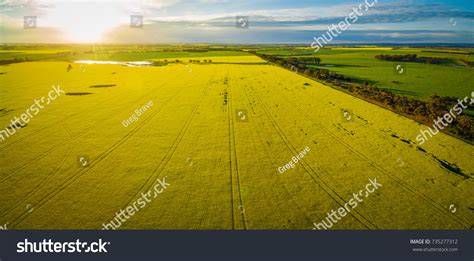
(129, 64)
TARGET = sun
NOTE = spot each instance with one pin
(85, 22)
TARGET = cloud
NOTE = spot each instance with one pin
(209, 21)
(384, 13)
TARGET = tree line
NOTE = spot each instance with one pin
(411, 58)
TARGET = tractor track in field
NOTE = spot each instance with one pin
(290, 196)
(89, 111)
(58, 122)
(39, 186)
(388, 138)
(83, 112)
(442, 210)
(96, 161)
(233, 164)
(52, 149)
(315, 177)
(171, 151)
(65, 142)
(39, 157)
(380, 169)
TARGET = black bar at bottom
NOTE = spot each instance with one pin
(239, 245)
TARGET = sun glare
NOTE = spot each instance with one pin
(86, 23)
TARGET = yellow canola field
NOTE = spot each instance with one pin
(218, 133)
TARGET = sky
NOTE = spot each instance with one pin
(236, 22)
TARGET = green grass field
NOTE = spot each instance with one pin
(223, 168)
(419, 81)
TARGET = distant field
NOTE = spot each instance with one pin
(140, 56)
(109, 54)
(222, 167)
(419, 81)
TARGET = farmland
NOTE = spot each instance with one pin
(218, 132)
(419, 81)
